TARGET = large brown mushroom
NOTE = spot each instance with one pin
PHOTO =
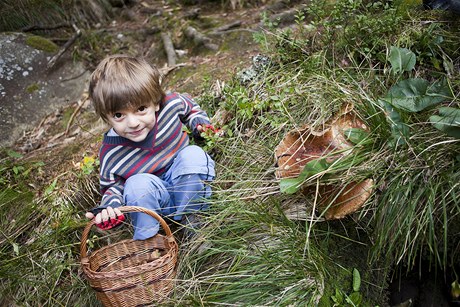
(303, 145)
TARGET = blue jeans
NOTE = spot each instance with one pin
(181, 189)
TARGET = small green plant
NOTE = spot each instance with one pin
(14, 170)
(422, 165)
(341, 298)
(212, 136)
(413, 95)
(89, 165)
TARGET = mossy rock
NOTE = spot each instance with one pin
(32, 88)
(41, 43)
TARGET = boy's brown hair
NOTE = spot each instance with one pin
(123, 82)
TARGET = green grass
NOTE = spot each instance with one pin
(252, 258)
(251, 250)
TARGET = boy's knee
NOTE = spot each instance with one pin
(191, 152)
(142, 183)
(191, 160)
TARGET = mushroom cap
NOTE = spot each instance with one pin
(341, 201)
(303, 145)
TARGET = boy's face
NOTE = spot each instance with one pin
(134, 124)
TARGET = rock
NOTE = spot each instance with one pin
(260, 63)
(28, 91)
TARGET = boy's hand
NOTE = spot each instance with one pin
(108, 218)
(209, 127)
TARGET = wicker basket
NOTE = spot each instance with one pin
(132, 272)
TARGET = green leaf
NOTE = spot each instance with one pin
(455, 289)
(15, 249)
(292, 185)
(399, 130)
(448, 121)
(51, 188)
(356, 135)
(338, 297)
(414, 95)
(402, 59)
(354, 299)
(450, 112)
(315, 167)
(14, 154)
(356, 280)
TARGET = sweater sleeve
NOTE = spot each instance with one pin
(193, 114)
(112, 197)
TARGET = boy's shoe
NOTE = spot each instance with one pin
(191, 223)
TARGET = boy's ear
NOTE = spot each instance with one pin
(157, 108)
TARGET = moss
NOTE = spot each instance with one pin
(236, 39)
(32, 88)
(66, 116)
(206, 23)
(41, 43)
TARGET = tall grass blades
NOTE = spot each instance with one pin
(418, 205)
(16, 15)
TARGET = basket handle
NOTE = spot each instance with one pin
(126, 209)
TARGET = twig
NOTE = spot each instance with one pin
(169, 48)
(165, 71)
(65, 47)
(227, 27)
(81, 102)
(233, 30)
(72, 118)
(75, 77)
(199, 38)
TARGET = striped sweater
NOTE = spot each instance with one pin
(121, 158)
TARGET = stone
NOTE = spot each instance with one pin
(29, 90)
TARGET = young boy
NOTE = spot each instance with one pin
(145, 158)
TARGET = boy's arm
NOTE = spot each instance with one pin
(111, 198)
(193, 116)
(107, 215)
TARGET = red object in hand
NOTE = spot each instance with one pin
(212, 128)
(111, 223)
